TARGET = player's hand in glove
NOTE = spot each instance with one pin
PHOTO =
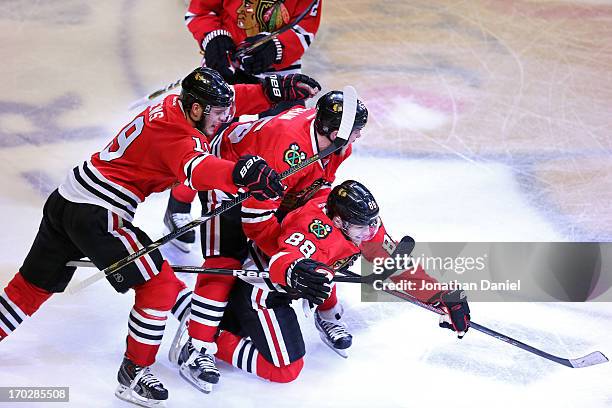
(310, 279)
(261, 180)
(292, 87)
(218, 53)
(262, 57)
(457, 312)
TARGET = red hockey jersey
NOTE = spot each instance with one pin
(309, 233)
(241, 19)
(156, 150)
(283, 141)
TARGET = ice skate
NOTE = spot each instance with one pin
(198, 367)
(333, 331)
(177, 215)
(139, 386)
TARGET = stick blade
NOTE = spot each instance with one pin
(594, 358)
(349, 111)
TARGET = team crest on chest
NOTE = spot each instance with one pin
(256, 16)
(293, 155)
(319, 229)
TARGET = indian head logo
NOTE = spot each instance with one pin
(319, 229)
(255, 16)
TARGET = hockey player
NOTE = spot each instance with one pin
(260, 332)
(286, 88)
(91, 214)
(283, 141)
(219, 27)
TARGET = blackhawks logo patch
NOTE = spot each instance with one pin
(293, 155)
(319, 229)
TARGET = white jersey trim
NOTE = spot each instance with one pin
(80, 187)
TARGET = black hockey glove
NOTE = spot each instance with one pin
(457, 312)
(310, 279)
(218, 54)
(260, 179)
(292, 87)
(262, 58)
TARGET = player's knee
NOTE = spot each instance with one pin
(288, 373)
(27, 295)
(160, 292)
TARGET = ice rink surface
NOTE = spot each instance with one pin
(490, 120)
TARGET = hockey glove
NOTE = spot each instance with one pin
(292, 87)
(457, 312)
(260, 179)
(310, 279)
(217, 54)
(262, 57)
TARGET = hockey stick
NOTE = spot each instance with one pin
(148, 98)
(349, 111)
(240, 53)
(590, 359)
(247, 273)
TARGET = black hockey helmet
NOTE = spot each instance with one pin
(357, 209)
(206, 87)
(352, 202)
(329, 113)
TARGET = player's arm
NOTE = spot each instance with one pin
(301, 266)
(200, 170)
(255, 98)
(296, 41)
(284, 50)
(204, 22)
(454, 303)
(260, 224)
(383, 246)
(203, 17)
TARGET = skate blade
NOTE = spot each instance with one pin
(180, 338)
(341, 352)
(202, 386)
(128, 395)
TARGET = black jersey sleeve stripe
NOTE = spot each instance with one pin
(108, 187)
(98, 194)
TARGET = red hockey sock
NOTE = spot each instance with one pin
(183, 194)
(145, 331)
(241, 353)
(209, 299)
(147, 321)
(19, 300)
